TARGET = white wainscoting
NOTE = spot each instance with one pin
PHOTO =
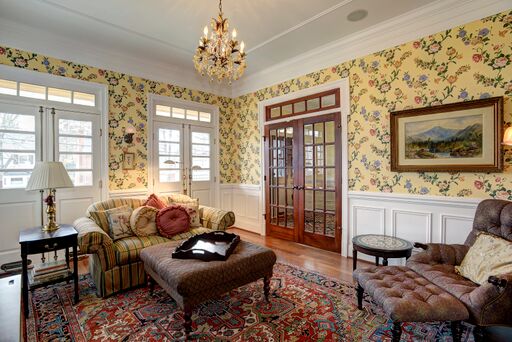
(415, 218)
(245, 201)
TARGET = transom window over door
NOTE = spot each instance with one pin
(184, 141)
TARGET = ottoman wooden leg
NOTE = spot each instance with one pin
(456, 333)
(151, 284)
(188, 320)
(397, 331)
(266, 286)
(360, 292)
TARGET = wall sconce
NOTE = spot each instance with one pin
(507, 137)
(129, 131)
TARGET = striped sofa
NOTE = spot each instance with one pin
(115, 265)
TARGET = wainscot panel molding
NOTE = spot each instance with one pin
(416, 218)
(245, 201)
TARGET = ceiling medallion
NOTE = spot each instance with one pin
(220, 55)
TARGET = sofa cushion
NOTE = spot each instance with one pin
(181, 198)
(119, 222)
(143, 221)
(490, 255)
(155, 202)
(127, 250)
(96, 211)
(172, 220)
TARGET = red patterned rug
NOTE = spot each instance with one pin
(304, 306)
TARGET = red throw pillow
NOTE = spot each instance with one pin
(172, 220)
(155, 202)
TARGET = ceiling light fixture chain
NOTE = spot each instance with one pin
(219, 55)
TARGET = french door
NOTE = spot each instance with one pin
(183, 155)
(303, 181)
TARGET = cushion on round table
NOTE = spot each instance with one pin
(172, 220)
(143, 221)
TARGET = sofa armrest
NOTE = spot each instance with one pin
(438, 253)
(216, 219)
(491, 301)
(91, 237)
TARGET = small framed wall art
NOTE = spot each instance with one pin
(128, 161)
(457, 137)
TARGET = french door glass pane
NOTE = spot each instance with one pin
(75, 127)
(200, 156)
(169, 162)
(81, 178)
(200, 150)
(168, 176)
(200, 175)
(75, 144)
(76, 161)
(17, 141)
(17, 160)
(17, 122)
(172, 135)
(169, 148)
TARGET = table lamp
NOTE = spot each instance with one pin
(49, 175)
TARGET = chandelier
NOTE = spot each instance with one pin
(220, 55)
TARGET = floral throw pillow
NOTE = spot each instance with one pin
(119, 222)
(193, 210)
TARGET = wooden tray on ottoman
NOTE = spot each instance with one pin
(208, 246)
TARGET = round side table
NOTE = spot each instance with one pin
(380, 246)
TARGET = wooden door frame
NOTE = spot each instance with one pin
(344, 108)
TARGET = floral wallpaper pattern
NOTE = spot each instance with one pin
(468, 62)
(127, 106)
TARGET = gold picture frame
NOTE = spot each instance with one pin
(457, 137)
(128, 161)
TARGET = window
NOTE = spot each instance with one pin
(321, 101)
(200, 156)
(169, 155)
(182, 113)
(75, 150)
(17, 149)
(40, 92)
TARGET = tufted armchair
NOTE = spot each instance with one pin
(488, 304)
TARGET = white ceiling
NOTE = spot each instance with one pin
(164, 33)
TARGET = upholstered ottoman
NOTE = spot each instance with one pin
(406, 296)
(190, 282)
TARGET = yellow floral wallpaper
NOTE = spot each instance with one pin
(127, 106)
(468, 62)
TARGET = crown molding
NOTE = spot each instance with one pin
(430, 19)
(30, 39)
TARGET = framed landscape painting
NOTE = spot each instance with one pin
(457, 137)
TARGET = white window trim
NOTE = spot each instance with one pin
(54, 81)
(153, 100)
(344, 108)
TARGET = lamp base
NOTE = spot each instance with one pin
(50, 227)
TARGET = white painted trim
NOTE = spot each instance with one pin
(442, 223)
(382, 212)
(429, 19)
(343, 86)
(128, 193)
(214, 124)
(427, 215)
(417, 199)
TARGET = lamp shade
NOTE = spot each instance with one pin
(49, 175)
(507, 137)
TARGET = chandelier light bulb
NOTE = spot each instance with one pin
(242, 46)
(205, 31)
(233, 34)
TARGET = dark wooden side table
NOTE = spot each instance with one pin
(380, 246)
(36, 241)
